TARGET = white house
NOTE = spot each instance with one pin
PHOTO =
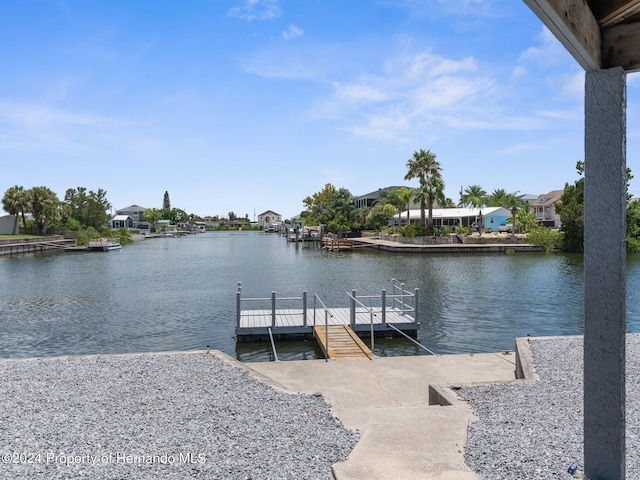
(269, 218)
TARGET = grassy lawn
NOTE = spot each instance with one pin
(16, 237)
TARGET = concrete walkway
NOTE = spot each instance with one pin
(387, 401)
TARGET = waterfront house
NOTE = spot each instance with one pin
(121, 221)
(237, 223)
(369, 199)
(544, 208)
(269, 218)
(136, 212)
(489, 217)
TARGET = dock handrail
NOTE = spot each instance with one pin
(414, 341)
(273, 346)
(273, 298)
(327, 314)
(400, 297)
(354, 300)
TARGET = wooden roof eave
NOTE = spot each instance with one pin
(575, 26)
(608, 38)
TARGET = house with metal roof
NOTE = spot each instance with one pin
(487, 217)
(121, 221)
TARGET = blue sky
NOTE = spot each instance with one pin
(252, 105)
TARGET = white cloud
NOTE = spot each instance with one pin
(38, 116)
(292, 32)
(517, 72)
(548, 52)
(412, 93)
(487, 8)
(256, 10)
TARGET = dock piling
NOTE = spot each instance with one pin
(304, 308)
(353, 308)
(273, 309)
(238, 301)
(384, 306)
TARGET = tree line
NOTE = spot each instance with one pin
(335, 208)
(79, 208)
(86, 212)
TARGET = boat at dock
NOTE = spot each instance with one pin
(103, 245)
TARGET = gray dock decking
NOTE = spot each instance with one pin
(255, 324)
(393, 311)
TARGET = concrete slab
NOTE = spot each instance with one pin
(387, 401)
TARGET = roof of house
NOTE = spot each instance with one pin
(548, 199)
(460, 212)
(376, 194)
(133, 208)
(267, 212)
(122, 217)
(528, 197)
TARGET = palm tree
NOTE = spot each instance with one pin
(513, 203)
(423, 165)
(429, 193)
(15, 201)
(496, 199)
(420, 195)
(473, 196)
(404, 197)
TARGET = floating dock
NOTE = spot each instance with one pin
(388, 314)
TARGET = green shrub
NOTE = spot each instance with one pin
(124, 235)
(415, 230)
(545, 237)
(446, 230)
(462, 230)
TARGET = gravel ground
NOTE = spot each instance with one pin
(183, 415)
(533, 430)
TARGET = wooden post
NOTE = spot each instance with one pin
(416, 297)
(605, 256)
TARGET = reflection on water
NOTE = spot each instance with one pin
(179, 294)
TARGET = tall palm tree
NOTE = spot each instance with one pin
(473, 196)
(420, 195)
(423, 165)
(15, 201)
(404, 197)
(513, 203)
(432, 190)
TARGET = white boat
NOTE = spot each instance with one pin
(104, 245)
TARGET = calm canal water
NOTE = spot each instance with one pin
(179, 294)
